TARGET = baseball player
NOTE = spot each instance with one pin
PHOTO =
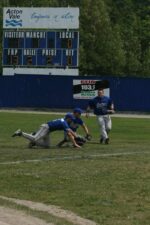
(102, 106)
(41, 137)
(74, 125)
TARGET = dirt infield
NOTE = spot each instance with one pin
(50, 209)
(14, 217)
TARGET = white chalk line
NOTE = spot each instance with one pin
(76, 157)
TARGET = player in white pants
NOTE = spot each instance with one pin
(41, 137)
(102, 106)
(105, 126)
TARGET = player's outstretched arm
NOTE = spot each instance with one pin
(71, 136)
(86, 130)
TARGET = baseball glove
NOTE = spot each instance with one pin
(80, 140)
(88, 137)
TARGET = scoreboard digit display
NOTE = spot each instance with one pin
(40, 48)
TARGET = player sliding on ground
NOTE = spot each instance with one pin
(102, 106)
(74, 125)
(42, 137)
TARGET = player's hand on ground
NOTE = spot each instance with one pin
(76, 146)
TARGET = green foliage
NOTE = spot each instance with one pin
(114, 34)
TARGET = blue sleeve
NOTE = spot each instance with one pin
(65, 126)
(81, 122)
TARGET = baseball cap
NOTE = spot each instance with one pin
(69, 116)
(78, 110)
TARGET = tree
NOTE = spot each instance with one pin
(102, 44)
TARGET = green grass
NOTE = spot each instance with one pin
(108, 190)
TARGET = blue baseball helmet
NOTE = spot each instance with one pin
(69, 116)
(78, 110)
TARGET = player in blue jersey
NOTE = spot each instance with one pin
(102, 107)
(74, 125)
(41, 137)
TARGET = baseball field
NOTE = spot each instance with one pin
(98, 184)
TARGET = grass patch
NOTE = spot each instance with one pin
(112, 190)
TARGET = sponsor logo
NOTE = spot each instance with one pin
(13, 18)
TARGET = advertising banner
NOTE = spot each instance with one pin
(87, 89)
(41, 18)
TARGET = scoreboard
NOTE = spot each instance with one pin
(40, 48)
(40, 40)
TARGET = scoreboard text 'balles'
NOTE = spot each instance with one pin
(41, 51)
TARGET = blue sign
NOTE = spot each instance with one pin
(48, 49)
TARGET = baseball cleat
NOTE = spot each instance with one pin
(101, 140)
(17, 133)
(31, 144)
(107, 141)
